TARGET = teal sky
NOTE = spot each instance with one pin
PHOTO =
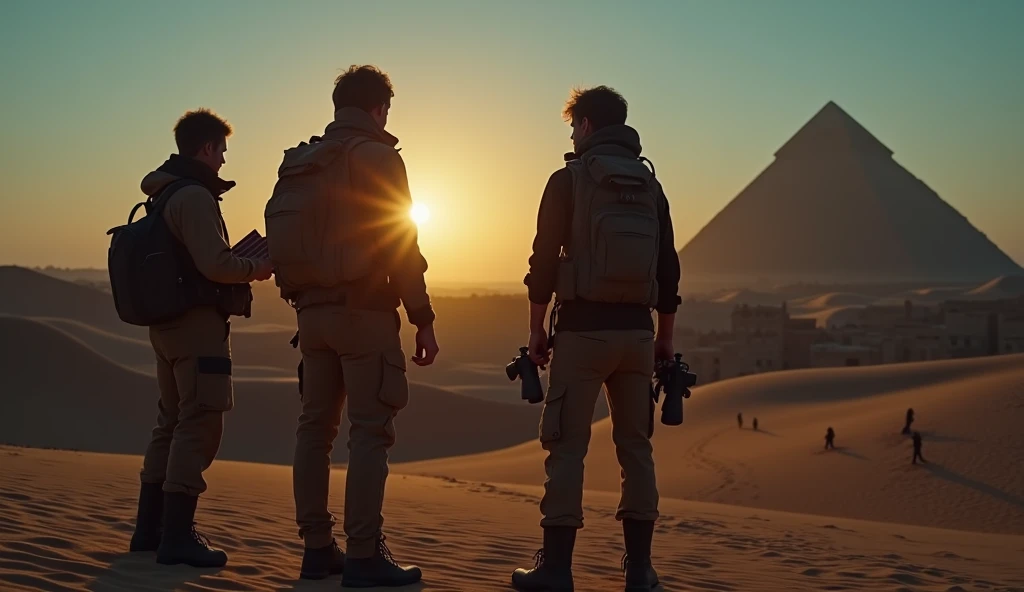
(91, 91)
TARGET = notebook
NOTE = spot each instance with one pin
(253, 246)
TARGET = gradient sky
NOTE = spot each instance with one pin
(91, 91)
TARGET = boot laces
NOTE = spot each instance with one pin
(538, 558)
(199, 537)
(385, 552)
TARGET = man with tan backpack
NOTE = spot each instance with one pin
(604, 247)
(345, 255)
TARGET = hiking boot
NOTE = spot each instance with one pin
(636, 563)
(181, 543)
(379, 570)
(149, 519)
(318, 564)
(640, 575)
(553, 569)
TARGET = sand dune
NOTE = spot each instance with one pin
(749, 297)
(839, 316)
(968, 410)
(65, 521)
(1006, 286)
(32, 294)
(832, 300)
(58, 392)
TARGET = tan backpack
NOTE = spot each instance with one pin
(612, 255)
(311, 222)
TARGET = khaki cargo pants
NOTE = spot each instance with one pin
(193, 371)
(623, 361)
(355, 355)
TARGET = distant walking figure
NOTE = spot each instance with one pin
(917, 448)
(739, 420)
(910, 420)
(755, 424)
(830, 435)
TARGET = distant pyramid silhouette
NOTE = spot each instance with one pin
(835, 206)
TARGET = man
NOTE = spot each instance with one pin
(193, 352)
(910, 420)
(606, 215)
(917, 449)
(354, 183)
(830, 436)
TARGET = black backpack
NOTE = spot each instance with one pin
(152, 275)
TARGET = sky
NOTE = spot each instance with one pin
(91, 91)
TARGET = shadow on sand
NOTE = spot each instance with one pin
(847, 452)
(954, 477)
(933, 437)
(766, 433)
(134, 571)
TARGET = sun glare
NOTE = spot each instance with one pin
(419, 213)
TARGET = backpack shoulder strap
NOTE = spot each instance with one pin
(155, 204)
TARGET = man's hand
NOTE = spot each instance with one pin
(426, 346)
(264, 269)
(664, 351)
(539, 351)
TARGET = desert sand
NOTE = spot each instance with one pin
(969, 412)
(66, 517)
(765, 510)
(59, 392)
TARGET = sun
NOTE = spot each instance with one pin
(419, 213)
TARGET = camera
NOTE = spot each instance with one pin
(522, 367)
(673, 377)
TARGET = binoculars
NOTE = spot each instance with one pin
(522, 367)
(673, 377)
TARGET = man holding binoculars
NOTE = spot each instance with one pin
(605, 248)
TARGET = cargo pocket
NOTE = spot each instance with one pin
(213, 384)
(551, 415)
(394, 387)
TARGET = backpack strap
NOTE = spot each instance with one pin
(155, 205)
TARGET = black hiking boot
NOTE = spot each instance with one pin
(553, 570)
(318, 564)
(379, 570)
(636, 563)
(181, 543)
(149, 519)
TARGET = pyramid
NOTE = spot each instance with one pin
(835, 206)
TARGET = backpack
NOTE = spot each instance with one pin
(612, 253)
(312, 219)
(152, 277)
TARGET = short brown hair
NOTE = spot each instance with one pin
(365, 87)
(198, 128)
(601, 105)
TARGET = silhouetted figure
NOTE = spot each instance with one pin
(755, 424)
(910, 420)
(917, 448)
(830, 435)
(739, 420)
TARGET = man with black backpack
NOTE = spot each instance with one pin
(174, 272)
(346, 256)
(605, 247)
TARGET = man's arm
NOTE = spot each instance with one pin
(400, 242)
(193, 212)
(668, 287)
(552, 225)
